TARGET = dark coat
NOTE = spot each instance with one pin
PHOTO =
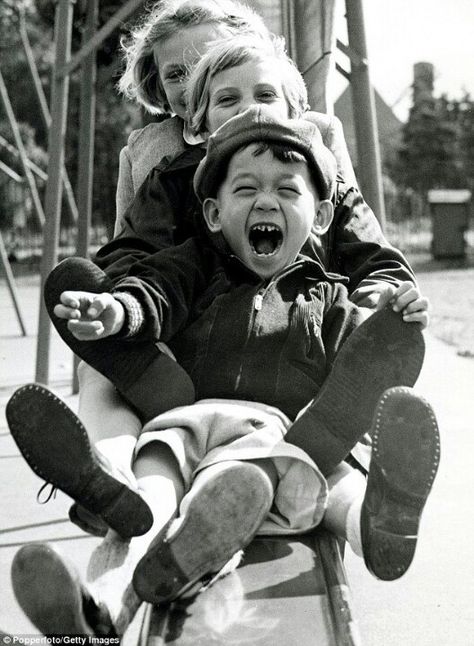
(240, 337)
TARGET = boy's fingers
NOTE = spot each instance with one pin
(64, 312)
(386, 296)
(404, 287)
(418, 317)
(73, 299)
(97, 306)
(419, 305)
(403, 299)
(86, 330)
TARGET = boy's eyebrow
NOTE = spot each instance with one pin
(249, 175)
(242, 175)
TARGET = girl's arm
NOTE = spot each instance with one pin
(125, 193)
(355, 245)
(160, 216)
(358, 249)
(145, 149)
(333, 137)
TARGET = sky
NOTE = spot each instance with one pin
(400, 33)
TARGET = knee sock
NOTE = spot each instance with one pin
(346, 494)
(352, 527)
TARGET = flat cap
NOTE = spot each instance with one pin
(259, 124)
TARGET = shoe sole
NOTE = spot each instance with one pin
(56, 446)
(48, 591)
(405, 459)
(210, 534)
(95, 526)
(383, 352)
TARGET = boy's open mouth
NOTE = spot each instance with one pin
(265, 239)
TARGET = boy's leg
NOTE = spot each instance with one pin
(56, 446)
(112, 426)
(111, 567)
(220, 515)
(381, 353)
(381, 523)
(49, 589)
(113, 429)
(148, 378)
(346, 490)
(52, 594)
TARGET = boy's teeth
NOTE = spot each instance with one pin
(265, 227)
(265, 239)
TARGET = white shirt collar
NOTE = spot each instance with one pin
(190, 139)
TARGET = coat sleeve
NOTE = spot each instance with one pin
(166, 285)
(125, 193)
(341, 318)
(333, 137)
(358, 249)
(336, 142)
(154, 219)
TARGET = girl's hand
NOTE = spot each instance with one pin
(90, 316)
(407, 300)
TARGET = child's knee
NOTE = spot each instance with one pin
(79, 274)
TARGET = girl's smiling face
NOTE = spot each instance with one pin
(234, 90)
(176, 56)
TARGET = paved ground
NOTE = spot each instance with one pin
(431, 606)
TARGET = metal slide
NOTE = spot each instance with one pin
(289, 591)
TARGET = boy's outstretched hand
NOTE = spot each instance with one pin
(90, 316)
(407, 300)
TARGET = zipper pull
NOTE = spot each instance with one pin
(258, 302)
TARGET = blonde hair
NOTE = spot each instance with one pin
(140, 80)
(225, 55)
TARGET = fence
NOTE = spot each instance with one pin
(408, 227)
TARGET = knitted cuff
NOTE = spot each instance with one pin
(134, 315)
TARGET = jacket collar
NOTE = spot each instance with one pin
(312, 269)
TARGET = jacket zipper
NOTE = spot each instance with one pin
(257, 306)
(258, 300)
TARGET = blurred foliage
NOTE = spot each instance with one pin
(107, 52)
(438, 145)
(115, 118)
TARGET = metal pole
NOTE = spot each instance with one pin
(44, 108)
(11, 285)
(114, 21)
(86, 145)
(22, 152)
(289, 27)
(59, 103)
(35, 169)
(368, 154)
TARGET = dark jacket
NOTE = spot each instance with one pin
(166, 212)
(240, 337)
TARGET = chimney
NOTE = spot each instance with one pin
(423, 83)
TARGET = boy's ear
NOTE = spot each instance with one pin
(323, 217)
(210, 210)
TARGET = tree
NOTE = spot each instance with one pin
(430, 156)
(438, 139)
(114, 117)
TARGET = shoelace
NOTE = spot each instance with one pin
(51, 494)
